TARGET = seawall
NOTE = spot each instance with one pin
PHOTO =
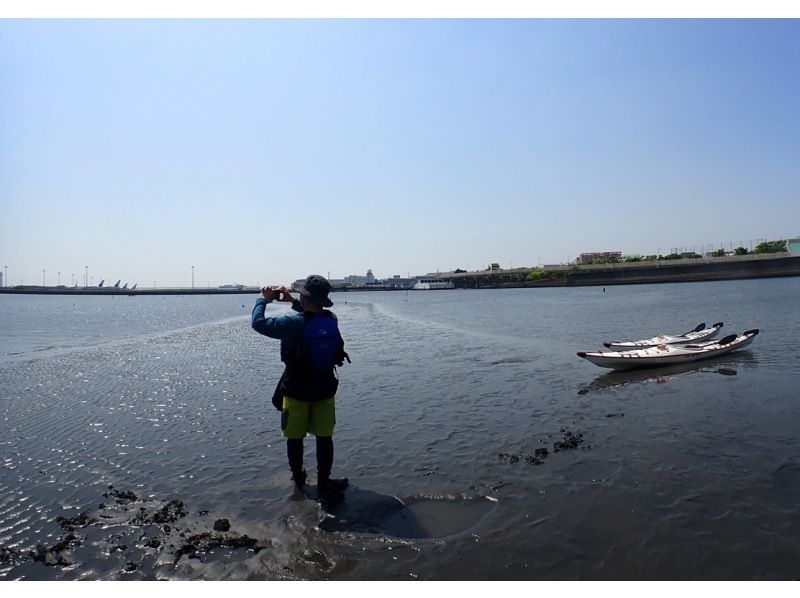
(696, 270)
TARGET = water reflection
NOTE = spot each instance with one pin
(723, 365)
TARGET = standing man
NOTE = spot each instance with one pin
(311, 348)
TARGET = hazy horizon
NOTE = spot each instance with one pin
(259, 151)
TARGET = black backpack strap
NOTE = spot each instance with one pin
(277, 396)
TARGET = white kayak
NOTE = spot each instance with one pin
(669, 354)
(700, 333)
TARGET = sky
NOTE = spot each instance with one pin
(261, 151)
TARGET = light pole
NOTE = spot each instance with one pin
(86, 278)
(44, 277)
(59, 279)
(5, 278)
(193, 277)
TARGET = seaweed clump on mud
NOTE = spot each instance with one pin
(53, 556)
(195, 546)
(11, 556)
(134, 546)
(537, 458)
(568, 441)
(122, 497)
(167, 513)
(70, 524)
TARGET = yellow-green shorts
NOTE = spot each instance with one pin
(301, 417)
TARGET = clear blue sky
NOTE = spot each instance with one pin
(261, 151)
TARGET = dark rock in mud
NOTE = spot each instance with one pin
(540, 453)
(153, 543)
(222, 525)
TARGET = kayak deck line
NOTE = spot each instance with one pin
(699, 333)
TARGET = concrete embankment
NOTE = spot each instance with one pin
(661, 272)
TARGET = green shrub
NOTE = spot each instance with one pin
(537, 275)
(771, 247)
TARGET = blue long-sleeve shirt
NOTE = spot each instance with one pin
(287, 328)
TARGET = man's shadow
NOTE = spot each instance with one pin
(367, 512)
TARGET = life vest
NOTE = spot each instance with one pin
(310, 373)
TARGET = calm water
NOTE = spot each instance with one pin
(151, 417)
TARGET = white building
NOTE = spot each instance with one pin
(360, 281)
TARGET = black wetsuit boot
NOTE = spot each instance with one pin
(294, 450)
(327, 484)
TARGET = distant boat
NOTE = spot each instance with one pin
(101, 282)
(116, 284)
(432, 284)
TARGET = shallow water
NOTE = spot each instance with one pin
(678, 473)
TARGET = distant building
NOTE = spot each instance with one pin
(793, 245)
(355, 281)
(360, 281)
(588, 258)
